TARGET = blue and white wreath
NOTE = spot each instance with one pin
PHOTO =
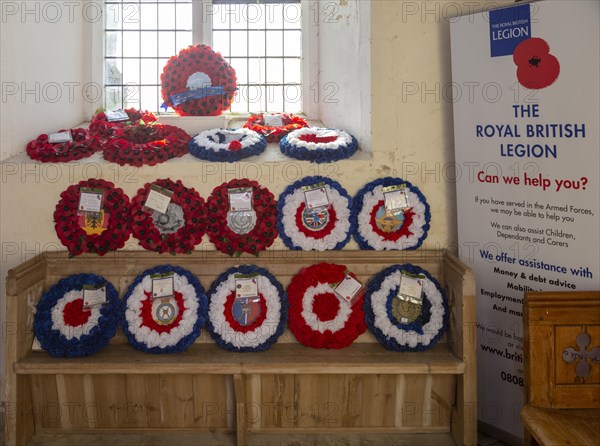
(321, 230)
(419, 335)
(164, 325)
(226, 313)
(65, 328)
(227, 145)
(377, 230)
(319, 145)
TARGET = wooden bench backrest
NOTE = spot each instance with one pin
(552, 322)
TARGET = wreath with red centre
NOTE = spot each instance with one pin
(102, 126)
(378, 229)
(318, 318)
(198, 82)
(261, 230)
(98, 234)
(274, 133)
(176, 231)
(83, 144)
(146, 145)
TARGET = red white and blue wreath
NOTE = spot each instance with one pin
(227, 145)
(322, 229)
(246, 325)
(377, 229)
(176, 231)
(381, 316)
(318, 318)
(164, 324)
(319, 145)
(65, 328)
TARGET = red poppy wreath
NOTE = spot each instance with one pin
(275, 126)
(146, 144)
(178, 229)
(100, 232)
(198, 82)
(238, 232)
(82, 145)
(317, 317)
(102, 126)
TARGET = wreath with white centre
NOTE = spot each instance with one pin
(379, 230)
(227, 145)
(246, 325)
(319, 145)
(421, 334)
(318, 318)
(322, 229)
(65, 328)
(164, 325)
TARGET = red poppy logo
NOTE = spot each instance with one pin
(536, 67)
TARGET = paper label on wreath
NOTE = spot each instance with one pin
(94, 295)
(240, 199)
(158, 199)
(171, 221)
(246, 285)
(60, 137)
(90, 200)
(349, 289)
(327, 133)
(94, 223)
(162, 285)
(116, 115)
(246, 306)
(273, 120)
(165, 310)
(395, 198)
(316, 196)
(407, 305)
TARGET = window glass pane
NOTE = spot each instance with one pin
(113, 16)
(256, 97)
(149, 98)
(113, 72)
(293, 71)
(236, 15)
(241, 70)
(292, 16)
(274, 43)
(149, 42)
(275, 71)
(131, 71)
(131, 16)
(166, 16)
(131, 96)
(112, 98)
(293, 98)
(274, 16)
(239, 43)
(131, 44)
(149, 15)
(166, 44)
(113, 44)
(221, 42)
(184, 16)
(257, 44)
(274, 98)
(149, 70)
(184, 39)
(293, 43)
(240, 102)
(256, 71)
(161, 67)
(257, 16)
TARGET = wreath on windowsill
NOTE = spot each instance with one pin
(65, 328)
(95, 233)
(176, 231)
(245, 324)
(257, 230)
(146, 145)
(227, 145)
(320, 230)
(378, 230)
(84, 144)
(319, 145)
(318, 318)
(273, 134)
(164, 325)
(198, 82)
(101, 126)
(421, 334)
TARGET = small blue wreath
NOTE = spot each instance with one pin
(318, 155)
(186, 341)
(386, 182)
(229, 156)
(308, 181)
(392, 343)
(250, 269)
(55, 342)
